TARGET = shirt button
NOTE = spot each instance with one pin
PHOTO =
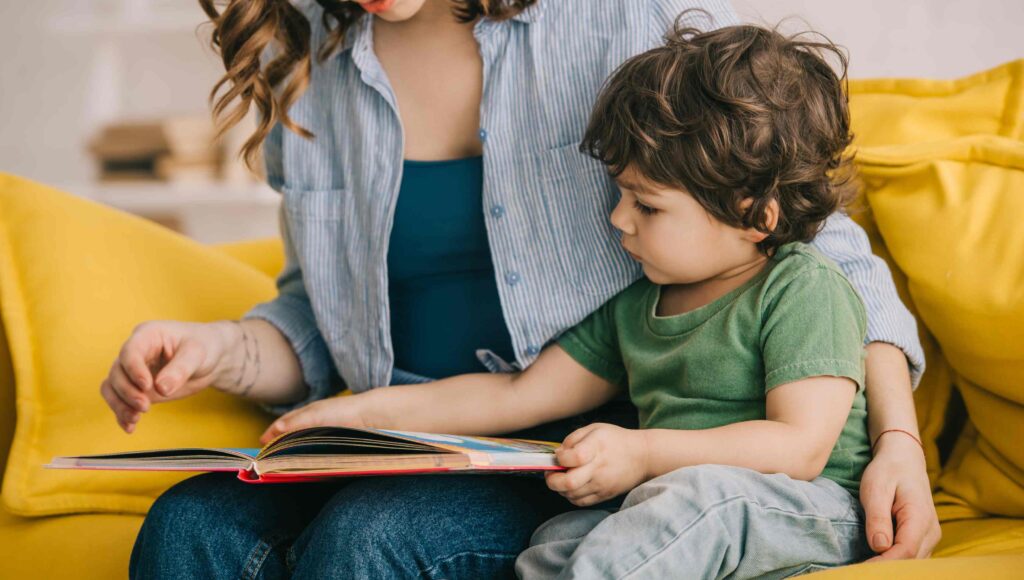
(498, 211)
(483, 135)
(512, 278)
(533, 350)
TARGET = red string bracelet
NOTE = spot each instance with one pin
(905, 432)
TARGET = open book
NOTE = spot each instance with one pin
(321, 452)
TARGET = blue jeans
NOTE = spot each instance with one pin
(446, 526)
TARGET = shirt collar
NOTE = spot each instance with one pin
(531, 14)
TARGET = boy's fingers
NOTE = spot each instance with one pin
(578, 435)
(590, 488)
(580, 454)
(187, 360)
(589, 500)
(572, 480)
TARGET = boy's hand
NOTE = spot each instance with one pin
(603, 461)
(340, 411)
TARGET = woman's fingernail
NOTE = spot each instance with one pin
(880, 541)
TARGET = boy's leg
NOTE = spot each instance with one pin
(554, 543)
(714, 521)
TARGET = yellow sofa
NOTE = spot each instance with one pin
(929, 151)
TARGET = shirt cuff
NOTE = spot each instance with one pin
(897, 326)
(293, 318)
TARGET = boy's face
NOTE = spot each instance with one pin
(675, 239)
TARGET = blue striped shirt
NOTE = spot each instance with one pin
(546, 205)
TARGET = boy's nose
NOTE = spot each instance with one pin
(620, 217)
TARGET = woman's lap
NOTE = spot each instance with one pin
(457, 526)
(450, 526)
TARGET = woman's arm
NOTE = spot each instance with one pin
(553, 387)
(895, 484)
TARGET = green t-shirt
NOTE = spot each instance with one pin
(713, 366)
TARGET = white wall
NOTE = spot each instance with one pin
(45, 75)
(901, 38)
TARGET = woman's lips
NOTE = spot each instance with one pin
(377, 6)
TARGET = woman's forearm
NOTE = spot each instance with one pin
(889, 395)
(259, 364)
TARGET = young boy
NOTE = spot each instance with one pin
(742, 348)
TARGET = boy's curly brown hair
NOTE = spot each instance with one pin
(737, 113)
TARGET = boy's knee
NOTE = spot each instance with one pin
(568, 526)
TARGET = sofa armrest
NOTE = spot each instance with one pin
(266, 255)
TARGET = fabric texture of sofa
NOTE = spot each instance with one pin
(942, 167)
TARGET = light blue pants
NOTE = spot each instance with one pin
(708, 521)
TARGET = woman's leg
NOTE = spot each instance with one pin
(215, 526)
(445, 526)
(709, 521)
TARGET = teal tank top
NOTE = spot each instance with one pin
(441, 282)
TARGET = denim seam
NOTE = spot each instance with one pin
(429, 572)
(257, 557)
(721, 503)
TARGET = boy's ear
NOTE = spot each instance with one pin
(771, 215)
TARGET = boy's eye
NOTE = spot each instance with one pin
(644, 209)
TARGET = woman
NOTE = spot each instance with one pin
(441, 217)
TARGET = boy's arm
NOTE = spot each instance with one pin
(804, 420)
(553, 387)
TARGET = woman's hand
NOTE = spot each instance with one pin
(603, 461)
(895, 487)
(340, 411)
(162, 361)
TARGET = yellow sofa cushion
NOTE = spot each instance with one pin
(949, 213)
(907, 111)
(75, 278)
(81, 546)
(893, 112)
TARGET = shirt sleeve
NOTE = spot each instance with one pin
(716, 14)
(594, 344)
(846, 244)
(812, 327)
(291, 312)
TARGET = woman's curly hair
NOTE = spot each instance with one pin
(737, 113)
(244, 29)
